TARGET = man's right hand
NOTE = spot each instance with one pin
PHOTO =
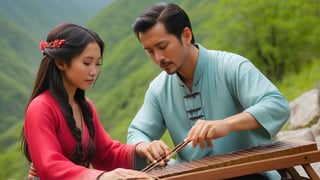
(153, 150)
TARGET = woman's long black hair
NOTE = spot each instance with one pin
(49, 78)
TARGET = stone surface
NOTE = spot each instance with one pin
(305, 109)
(303, 134)
(304, 123)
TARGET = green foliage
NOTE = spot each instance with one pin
(278, 36)
(12, 163)
(23, 25)
(243, 27)
(16, 75)
(120, 104)
(114, 23)
(123, 52)
(16, 45)
(11, 102)
(293, 85)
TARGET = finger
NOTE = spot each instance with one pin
(210, 136)
(150, 158)
(203, 137)
(201, 140)
(143, 149)
(166, 150)
(197, 128)
(162, 163)
(148, 152)
(156, 151)
(162, 149)
(209, 142)
(191, 133)
(192, 136)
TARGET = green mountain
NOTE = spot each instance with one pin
(38, 17)
(265, 37)
(279, 37)
(126, 71)
(20, 55)
(23, 25)
(16, 75)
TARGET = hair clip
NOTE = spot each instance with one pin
(53, 44)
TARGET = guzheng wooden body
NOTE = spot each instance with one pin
(280, 155)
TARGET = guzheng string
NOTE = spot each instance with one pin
(251, 154)
(157, 162)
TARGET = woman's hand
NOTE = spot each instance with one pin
(121, 173)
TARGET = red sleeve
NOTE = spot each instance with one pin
(41, 128)
(110, 154)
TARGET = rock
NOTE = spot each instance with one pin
(302, 134)
(317, 139)
(305, 110)
(304, 123)
(316, 129)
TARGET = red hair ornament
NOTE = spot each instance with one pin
(53, 44)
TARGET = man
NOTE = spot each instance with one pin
(217, 99)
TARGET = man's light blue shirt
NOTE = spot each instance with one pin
(224, 84)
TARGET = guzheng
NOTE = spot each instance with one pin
(274, 156)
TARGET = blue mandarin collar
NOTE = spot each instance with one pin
(202, 63)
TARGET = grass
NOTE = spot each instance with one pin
(294, 85)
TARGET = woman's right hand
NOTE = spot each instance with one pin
(121, 173)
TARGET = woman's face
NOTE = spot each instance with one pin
(83, 70)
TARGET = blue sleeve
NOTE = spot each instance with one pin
(260, 98)
(148, 124)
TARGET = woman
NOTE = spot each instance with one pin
(62, 135)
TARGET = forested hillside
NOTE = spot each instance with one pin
(280, 37)
(38, 17)
(15, 87)
(269, 33)
(23, 25)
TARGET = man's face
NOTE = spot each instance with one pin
(163, 48)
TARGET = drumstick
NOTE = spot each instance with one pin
(157, 162)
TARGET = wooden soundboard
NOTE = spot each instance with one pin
(279, 155)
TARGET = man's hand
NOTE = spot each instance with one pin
(153, 150)
(204, 130)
